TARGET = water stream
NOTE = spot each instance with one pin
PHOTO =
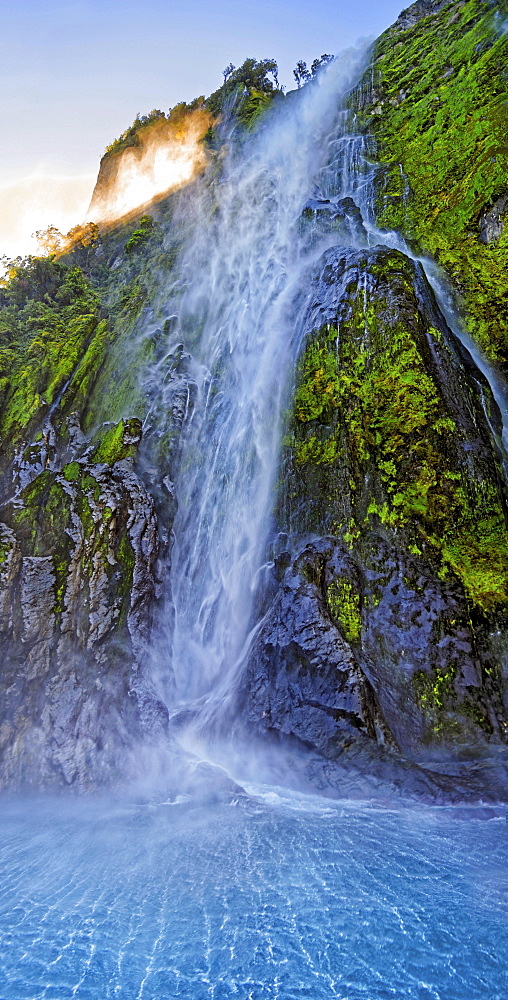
(258, 229)
(244, 271)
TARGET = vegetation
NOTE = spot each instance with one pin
(344, 603)
(133, 135)
(140, 235)
(367, 400)
(49, 314)
(439, 112)
(303, 75)
(246, 91)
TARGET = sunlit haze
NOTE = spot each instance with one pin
(167, 158)
(75, 73)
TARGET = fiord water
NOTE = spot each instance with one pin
(279, 897)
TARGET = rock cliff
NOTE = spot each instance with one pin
(380, 624)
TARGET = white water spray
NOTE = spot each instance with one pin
(245, 268)
(246, 289)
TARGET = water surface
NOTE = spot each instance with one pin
(278, 896)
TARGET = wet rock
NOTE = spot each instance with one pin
(371, 639)
(342, 218)
(78, 590)
(492, 220)
(302, 679)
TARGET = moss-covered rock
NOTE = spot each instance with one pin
(436, 101)
(78, 591)
(388, 450)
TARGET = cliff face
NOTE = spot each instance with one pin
(156, 155)
(387, 625)
(382, 626)
(435, 100)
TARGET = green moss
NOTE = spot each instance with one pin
(126, 558)
(41, 522)
(479, 555)
(141, 235)
(71, 472)
(367, 402)
(344, 603)
(118, 442)
(318, 385)
(434, 689)
(442, 119)
(51, 313)
(435, 693)
(5, 544)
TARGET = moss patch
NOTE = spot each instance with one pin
(344, 603)
(441, 120)
(119, 442)
(369, 408)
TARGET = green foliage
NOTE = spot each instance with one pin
(248, 89)
(141, 235)
(441, 116)
(133, 135)
(302, 75)
(49, 314)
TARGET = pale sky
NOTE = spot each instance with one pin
(74, 74)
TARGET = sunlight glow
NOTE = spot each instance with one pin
(37, 201)
(167, 157)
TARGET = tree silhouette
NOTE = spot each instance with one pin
(301, 73)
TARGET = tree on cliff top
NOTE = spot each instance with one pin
(252, 75)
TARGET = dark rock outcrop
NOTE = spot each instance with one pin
(385, 632)
(78, 589)
(492, 220)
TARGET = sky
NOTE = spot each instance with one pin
(74, 74)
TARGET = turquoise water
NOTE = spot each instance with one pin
(277, 896)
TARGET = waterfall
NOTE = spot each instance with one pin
(244, 268)
(303, 183)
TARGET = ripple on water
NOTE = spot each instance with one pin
(287, 897)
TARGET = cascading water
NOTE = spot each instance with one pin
(245, 265)
(257, 232)
(269, 895)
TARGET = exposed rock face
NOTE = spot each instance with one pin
(302, 678)
(78, 588)
(492, 220)
(413, 14)
(380, 632)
